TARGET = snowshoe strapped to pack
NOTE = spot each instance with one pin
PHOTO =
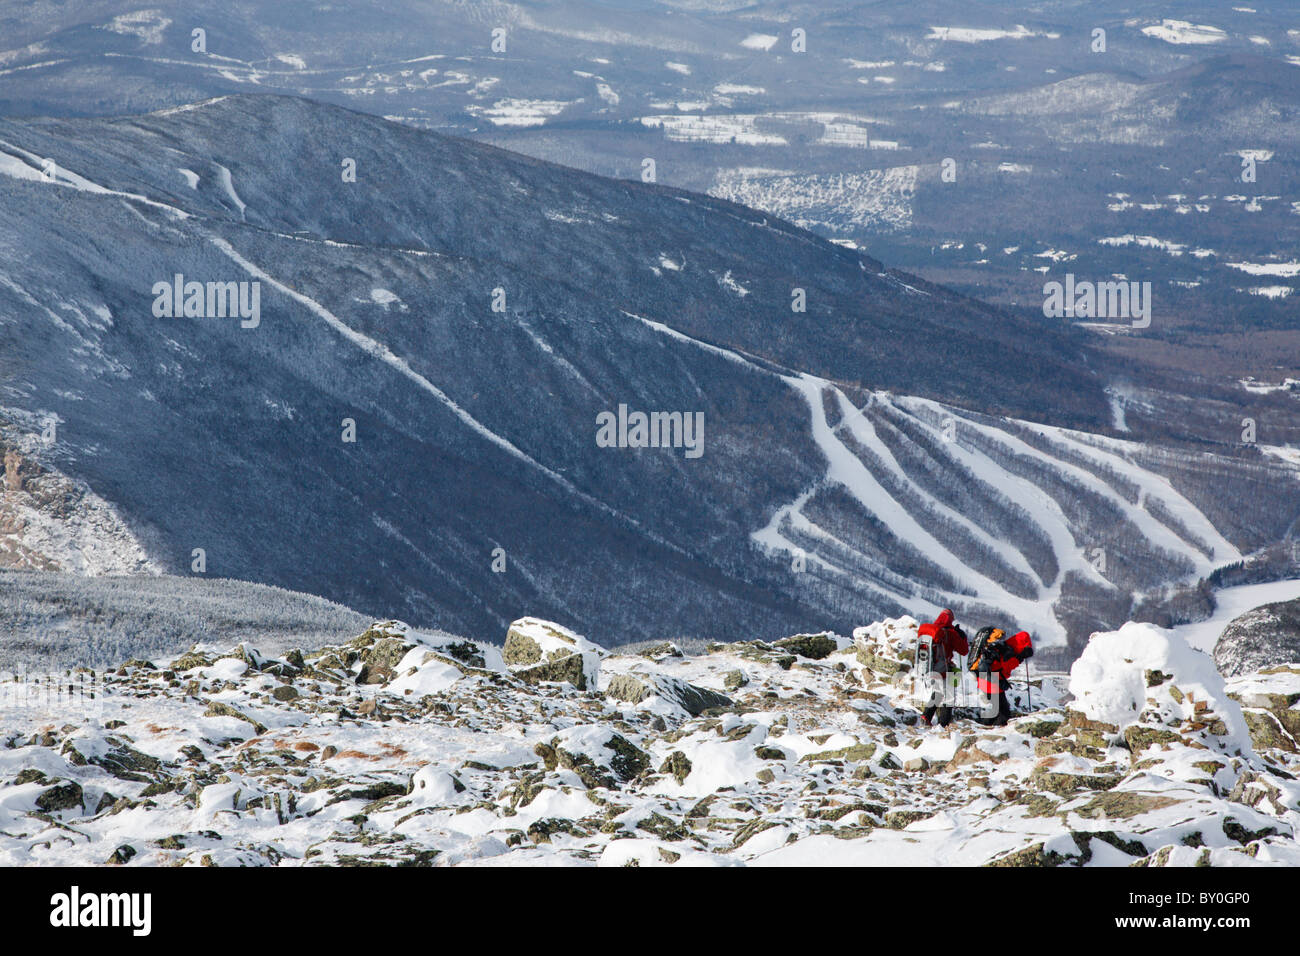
(988, 648)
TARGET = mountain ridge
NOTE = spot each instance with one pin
(615, 292)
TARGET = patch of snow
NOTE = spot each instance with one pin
(148, 25)
(759, 41)
(1283, 270)
(727, 282)
(1181, 32)
(227, 183)
(519, 112)
(981, 35)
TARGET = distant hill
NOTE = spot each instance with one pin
(50, 621)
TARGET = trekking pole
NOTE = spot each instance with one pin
(1029, 688)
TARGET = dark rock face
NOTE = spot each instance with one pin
(567, 669)
(65, 796)
(1264, 637)
(634, 688)
(815, 646)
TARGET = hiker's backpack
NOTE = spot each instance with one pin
(990, 647)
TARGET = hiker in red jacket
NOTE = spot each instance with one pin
(997, 659)
(947, 639)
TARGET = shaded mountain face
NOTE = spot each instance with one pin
(473, 318)
(1264, 637)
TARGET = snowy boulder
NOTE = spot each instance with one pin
(597, 755)
(813, 646)
(661, 651)
(382, 630)
(64, 796)
(1270, 701)
(886, 647)
(90, 745)
(421, 673)
(381, 649)
(434, 786)
(467, 652)
(536, 651)
(640, 686)
(531, 640)
(1152, 687)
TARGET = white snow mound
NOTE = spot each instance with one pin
(1110, 680)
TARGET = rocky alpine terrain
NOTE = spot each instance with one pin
(406, 748)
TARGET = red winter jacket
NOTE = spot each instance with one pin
(1021, 647)
(947, 639)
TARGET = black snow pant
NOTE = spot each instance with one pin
(1003, 714)
(937, 707)
(944, 713)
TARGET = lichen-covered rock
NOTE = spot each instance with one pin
(127, 763)
(64, 796)
(566, 670)
(122, 855)
(1268, 733)
(901, 819)
(629, 688)
(467, 652)
(1190, 706)
(220, 709)
(1258, 791)
(814, 646)
(1140, 737)
(538, 651)
(1068, 783)
(886, 647)
(529, 640)
(380, 658)
(379, 631)
(677, 765)
(190, 660)
(1122, 804)
(599, 756)
(854, 753)
(662, 651)
(1028, 856)
(638, 686)
(1270, 700)
(1039, 728)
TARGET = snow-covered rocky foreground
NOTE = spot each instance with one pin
(403, 748)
